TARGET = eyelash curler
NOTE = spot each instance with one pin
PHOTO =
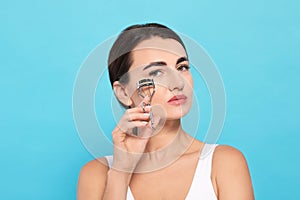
(146, 87)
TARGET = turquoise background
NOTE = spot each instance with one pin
(254, 44)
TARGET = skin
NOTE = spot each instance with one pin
(230, 175)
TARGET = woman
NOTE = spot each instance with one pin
(162, 161)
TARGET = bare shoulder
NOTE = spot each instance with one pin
(232, 174)
(225, 153)
(95, 166)
(228, 159)
(92, 178)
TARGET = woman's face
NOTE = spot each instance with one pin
(164, 61)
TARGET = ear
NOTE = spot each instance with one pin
(121, 93)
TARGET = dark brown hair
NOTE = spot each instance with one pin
(119, 60)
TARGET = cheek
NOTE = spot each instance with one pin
(190, 81)
(159, 95)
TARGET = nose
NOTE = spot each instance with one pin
(176, 82)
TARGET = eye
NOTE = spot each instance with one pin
(155, 72)
(183, 68)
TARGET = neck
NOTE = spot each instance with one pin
(165, 135)
(165, 147)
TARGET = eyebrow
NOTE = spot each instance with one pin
(162, 63)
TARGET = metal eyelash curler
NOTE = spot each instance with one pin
(146, 87)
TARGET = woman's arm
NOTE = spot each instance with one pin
(97, 182)
(232, 174)
(117, 185)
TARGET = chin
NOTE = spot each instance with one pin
(171, 112)
(177, 114)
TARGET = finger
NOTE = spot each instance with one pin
(142, 107)
(128, 126)
(139, 109)
(138, 116)
(133, 124)
(145, 100)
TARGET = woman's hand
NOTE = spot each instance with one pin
(129, 148)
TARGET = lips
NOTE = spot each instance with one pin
(177, 99)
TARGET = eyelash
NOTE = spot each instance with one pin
(187, 68)
(154, 72)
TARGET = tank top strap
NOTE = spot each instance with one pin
(205, 160)
(109, 160)
(201, 187)
(207, 151)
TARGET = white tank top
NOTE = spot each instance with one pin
(201, 187)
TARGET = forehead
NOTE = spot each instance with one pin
(157, 49)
